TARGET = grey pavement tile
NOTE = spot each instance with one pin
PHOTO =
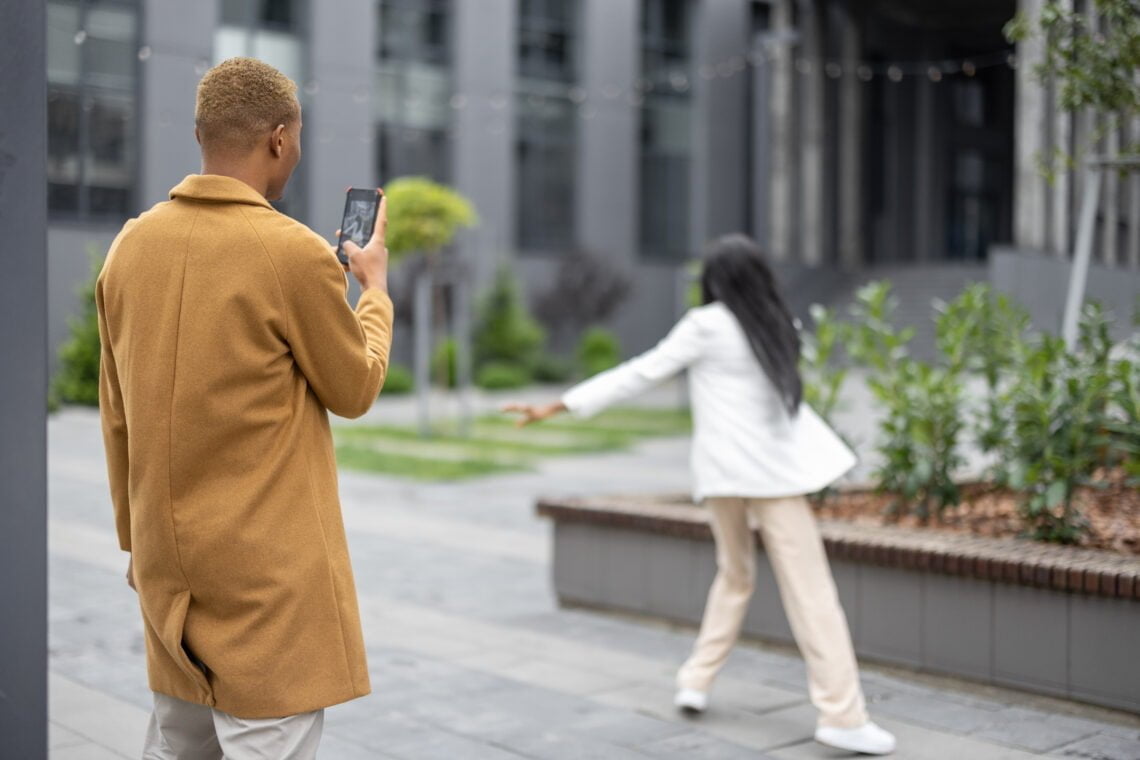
(1104, 746)
(1037, 731)
(945, 712)
(562, 677)
(440, 745)
(87, 751)
(624, 727)
(550, 744)
(777, 728)
(60, 736)
(336, 747)
(694, 745)
(914, 743)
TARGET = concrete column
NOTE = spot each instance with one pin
(340, 147)
(23, 383)
(1132, 250)
(851, 116)
(783, 179)
(923, 189)
(813, 199)
(484, 127)
(720, 120)
(608, 145)
(180, 38)
(1031, 198)
(1111, 201)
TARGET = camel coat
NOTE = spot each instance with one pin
(226, 336)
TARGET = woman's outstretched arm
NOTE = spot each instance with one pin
(679, 349)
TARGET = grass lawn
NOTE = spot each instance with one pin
(495, 445)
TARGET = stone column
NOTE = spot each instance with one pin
(608, 144)
(1031, 195)
(851, 126)
(720, 120)
(178, 45)
(23, 383)
(340, 147)
(484, 127)
(813, 200)
(783, 179)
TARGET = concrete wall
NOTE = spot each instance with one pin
(1049, 642)
(1040, 282)
(23, 384)
(181, 40)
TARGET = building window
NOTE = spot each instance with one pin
(413, 88)
(271, 31)
(92, 60)
(546, 113)
(666, 136)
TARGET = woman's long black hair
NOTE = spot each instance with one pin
(736, 274)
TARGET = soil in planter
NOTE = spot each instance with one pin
(1113, 513)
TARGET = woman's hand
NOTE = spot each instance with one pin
(532, 413)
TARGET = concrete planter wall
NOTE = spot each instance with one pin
(1057, 621)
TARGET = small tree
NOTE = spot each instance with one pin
(77, 379)
(424, 216)
(586, 291)
(1093, 67)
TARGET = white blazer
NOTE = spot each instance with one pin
(745, 443)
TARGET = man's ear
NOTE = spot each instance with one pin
(198, 136)
(277, 141)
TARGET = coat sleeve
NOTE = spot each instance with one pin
(342, 352)
(677, 351)
(114, 422)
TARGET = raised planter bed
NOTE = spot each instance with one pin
(1054, 620)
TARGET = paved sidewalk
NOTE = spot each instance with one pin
(471, 658)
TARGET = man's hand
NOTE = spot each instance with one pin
(531, 413)
(131, 573)
(369, 265)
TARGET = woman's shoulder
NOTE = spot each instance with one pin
(711, 315)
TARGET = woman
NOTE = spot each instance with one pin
(757, 450)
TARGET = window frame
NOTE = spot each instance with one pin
(84, 92)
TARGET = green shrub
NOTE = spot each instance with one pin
(1059, 427)
(553, 369)
(444, 363)
(77, 379)
(399, 380)
(920, 430)
(502, 376)
(423, 216)
(823, 376)
(504, 332)
(598, 350)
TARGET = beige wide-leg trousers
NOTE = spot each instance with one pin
(793, 544)
(182, 730)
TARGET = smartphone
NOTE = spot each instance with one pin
(360, 209)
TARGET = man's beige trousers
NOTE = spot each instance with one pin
(793, 544)
(181, 730)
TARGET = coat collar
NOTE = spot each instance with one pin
(217, 188)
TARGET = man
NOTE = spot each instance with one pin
(226, 336)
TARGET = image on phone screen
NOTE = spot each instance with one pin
(360, 210)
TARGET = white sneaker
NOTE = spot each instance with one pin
(868, 739)
(691, 701)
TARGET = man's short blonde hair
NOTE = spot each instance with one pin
(241, 99)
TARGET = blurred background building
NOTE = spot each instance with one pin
(853, 138)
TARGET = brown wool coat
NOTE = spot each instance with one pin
(226, 336)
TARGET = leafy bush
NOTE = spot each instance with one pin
(504, 332)
(983, 332)
(77, 379)
(587, 290)
(1059, 436)
(502, 376)
(444, 364)
(598, 350)
(920, 431)
(823, 376)
(399, 380)
(424, 216)
(553, 369)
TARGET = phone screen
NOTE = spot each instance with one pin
(360, 208)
